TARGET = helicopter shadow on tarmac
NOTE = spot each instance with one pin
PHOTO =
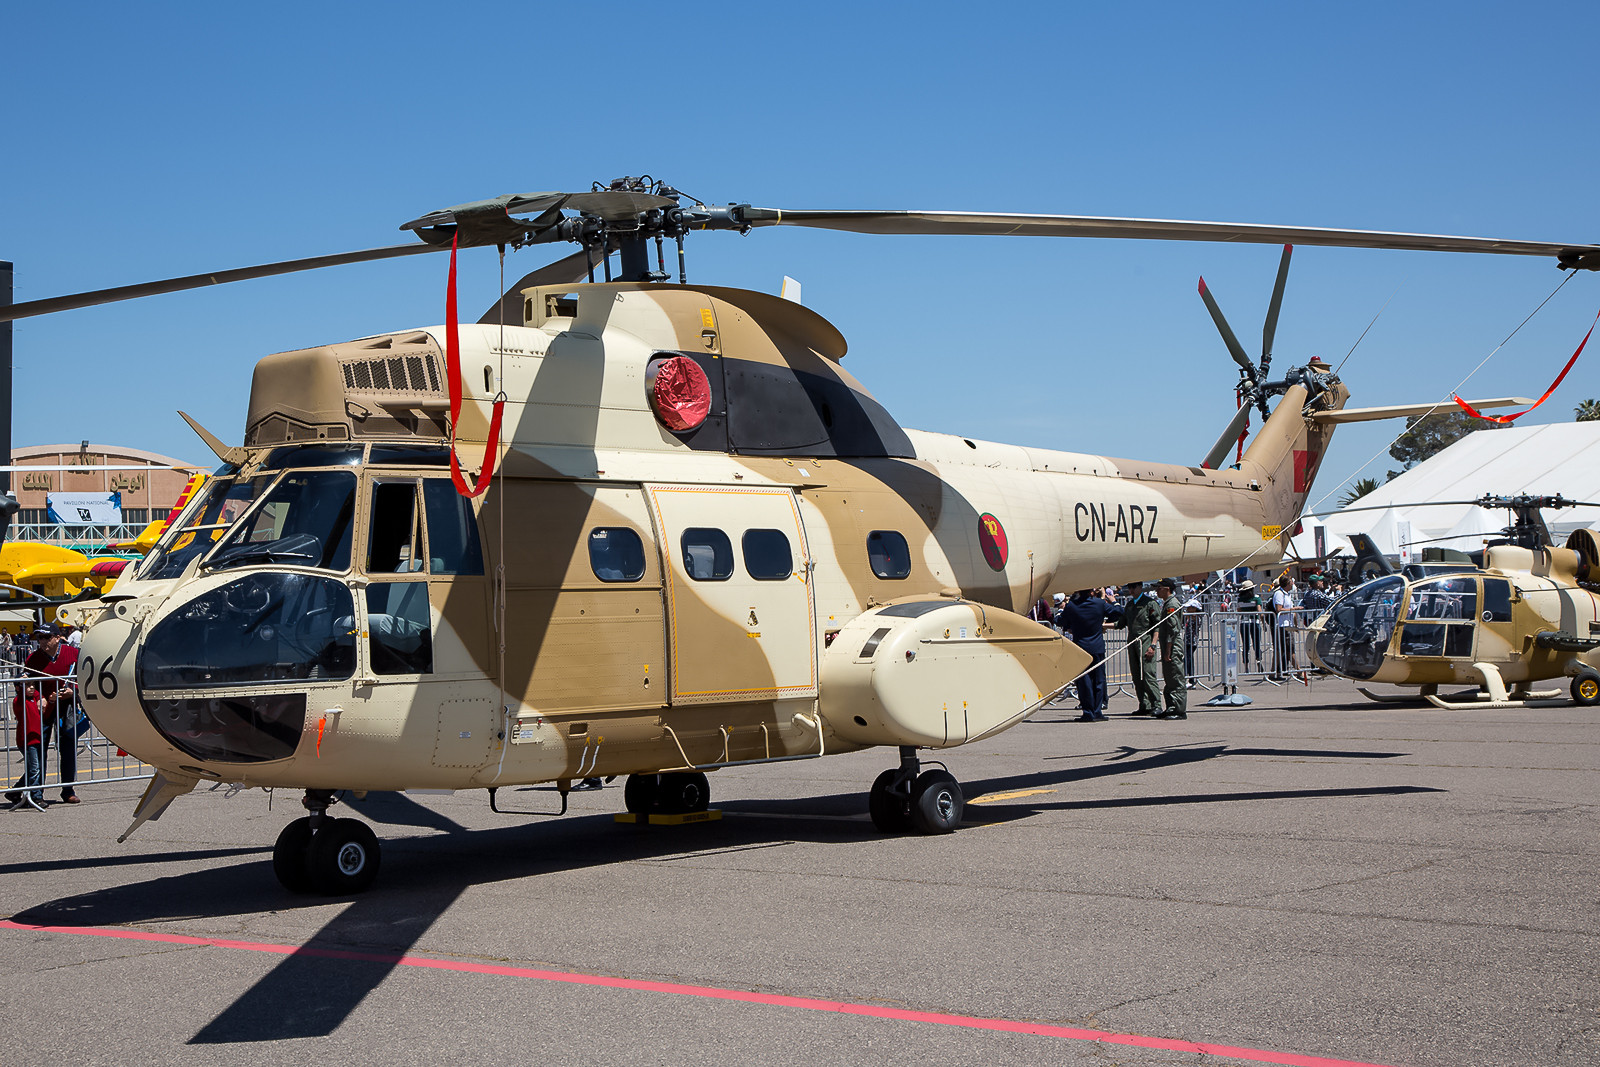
(309, 994)
(430, 873)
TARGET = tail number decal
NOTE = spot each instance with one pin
(95, 686)
(1133, 524)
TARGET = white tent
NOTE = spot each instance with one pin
(1562, 457)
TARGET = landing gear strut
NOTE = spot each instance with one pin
(319, 854)
(906, 798)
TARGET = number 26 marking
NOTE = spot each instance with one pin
(105, 682)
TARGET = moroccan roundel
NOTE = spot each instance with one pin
(992, 538)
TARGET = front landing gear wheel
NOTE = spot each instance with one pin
(1586, 688)
(289, 856)
(891, 811)
(343, 857)
(936, 802)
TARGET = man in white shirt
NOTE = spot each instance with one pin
(1283, 602)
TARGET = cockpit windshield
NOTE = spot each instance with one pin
(305, 520)
(222, 501)
(1359, 626)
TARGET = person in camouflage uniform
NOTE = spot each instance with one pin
(1140, 616)
(1170, 632)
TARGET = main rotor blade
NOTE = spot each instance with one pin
(572, 269)
(194, 281)
(1270, 330)
(981, 223)
(1219, 451)
(1235, 349)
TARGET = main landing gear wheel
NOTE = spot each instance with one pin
(676, 793)
(936, 802)
(1586, 687)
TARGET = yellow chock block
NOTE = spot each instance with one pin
(710, 815)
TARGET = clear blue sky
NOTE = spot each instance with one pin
(143, 141)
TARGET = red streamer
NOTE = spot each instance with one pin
(1468, 408)
(452, 365)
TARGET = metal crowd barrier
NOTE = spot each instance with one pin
(1263, 655)
(98, 760)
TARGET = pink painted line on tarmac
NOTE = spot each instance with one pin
(871, 1011)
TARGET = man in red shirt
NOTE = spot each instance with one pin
(54, 658)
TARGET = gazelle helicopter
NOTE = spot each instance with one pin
(687, 538)
(1525, 613)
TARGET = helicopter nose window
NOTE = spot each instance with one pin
(305, 521)
(267, 627)
(1359, 626)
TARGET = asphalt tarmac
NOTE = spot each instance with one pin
(1313, 879)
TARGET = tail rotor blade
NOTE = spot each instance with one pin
(1219, 451)
(1235, 349)
(1270, 330)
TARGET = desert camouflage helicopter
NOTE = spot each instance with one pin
(1527, 613)
(704, 543)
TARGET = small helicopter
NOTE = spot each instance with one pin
(1522, 612)
(640, 527)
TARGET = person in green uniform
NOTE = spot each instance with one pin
(1140, 617)
(1170, 631)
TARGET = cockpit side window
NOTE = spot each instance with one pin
(394, 528)
(453, 546)
(1446, 598)
(1496, 600)
(305, 520)
(400, 628)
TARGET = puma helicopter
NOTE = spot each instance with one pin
(703, 543)
(1521, 613)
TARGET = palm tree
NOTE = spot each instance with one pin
(1588, 411)
(1362, 486)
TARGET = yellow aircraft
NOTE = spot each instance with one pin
(36, 573)
(685, 538)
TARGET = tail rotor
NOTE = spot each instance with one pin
(1252, 376)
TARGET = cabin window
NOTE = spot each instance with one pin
(1446, 598)
(401, 637)
(767, 557)
(889, 554)
(305, 521)
(707, 554)
(453, 546)
(1496, 600)
(394, 529)
(616, 554)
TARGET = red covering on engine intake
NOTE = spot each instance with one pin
(681, 393)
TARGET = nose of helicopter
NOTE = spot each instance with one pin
(107, 689)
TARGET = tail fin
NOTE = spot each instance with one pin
(1285, 456)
